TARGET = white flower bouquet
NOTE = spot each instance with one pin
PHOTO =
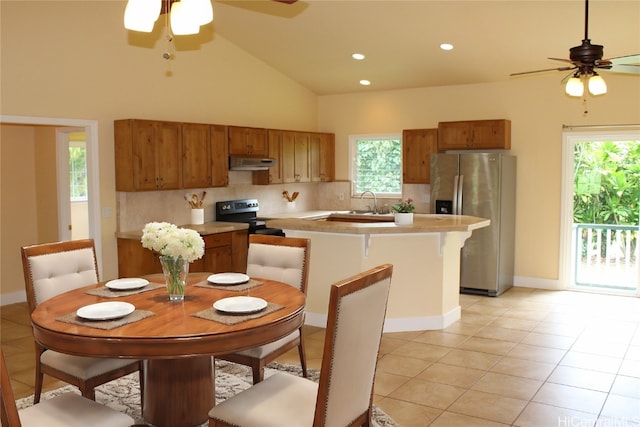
(169, 240)
(177, 248)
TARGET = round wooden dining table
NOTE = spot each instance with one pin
(176, 346)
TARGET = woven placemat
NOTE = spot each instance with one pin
(232, 319)
(106, 324)
(237, 288)
(110, 293)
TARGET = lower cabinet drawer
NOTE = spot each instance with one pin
(217, 240)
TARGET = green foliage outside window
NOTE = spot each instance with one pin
(78, 173)
(378, 166)
(607, 183)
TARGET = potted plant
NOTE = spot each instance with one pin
(404, 211)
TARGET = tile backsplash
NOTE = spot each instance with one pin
(136, 209)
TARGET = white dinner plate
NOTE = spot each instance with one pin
(105, 310)
(228, 278)
(127, 283)
(240, 305)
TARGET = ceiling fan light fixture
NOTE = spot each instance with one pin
(182, 20)
(141, 15)
(574, 86)
(200, 11)
(597, 85)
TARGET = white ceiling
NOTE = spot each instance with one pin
(312, 41)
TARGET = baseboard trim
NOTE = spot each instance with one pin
(13, 298)
(403, 324)
(537, 283)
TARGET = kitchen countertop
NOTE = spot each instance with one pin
(422, 223)
(204, 229)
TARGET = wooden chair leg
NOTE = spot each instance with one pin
(258, 374)
(303, 357)
(88, 392)
(141, 382)
(38, 385)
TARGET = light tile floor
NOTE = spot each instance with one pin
(529, 358)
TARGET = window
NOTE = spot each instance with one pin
(376, 164)
(78, 171)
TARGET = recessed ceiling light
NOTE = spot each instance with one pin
(446, 46)
(365, 82)
(358, 56)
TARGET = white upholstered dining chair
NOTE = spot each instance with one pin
(65, 410)
(344, 395)
(51, 269)
(285, 259)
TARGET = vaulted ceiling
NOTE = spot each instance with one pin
(312, 41)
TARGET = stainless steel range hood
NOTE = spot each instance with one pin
(245, 163)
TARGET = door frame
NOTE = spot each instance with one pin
(93, 173)
(570, 136)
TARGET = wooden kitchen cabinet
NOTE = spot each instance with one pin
(295, 157)
(196, 155)
(147, 154)
(219, 156)
(417, 147)
(322, 156)
(204, 156)
(273, 175)
(217, 254)
(223, 252)
(247, 141)
(476, 135)
(301, 157)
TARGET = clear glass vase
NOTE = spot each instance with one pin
(175, 272)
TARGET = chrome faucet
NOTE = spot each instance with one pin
(375, 201)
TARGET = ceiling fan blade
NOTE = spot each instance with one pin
(561, 59)
(627, 60)
(624, 68)
(542, 71)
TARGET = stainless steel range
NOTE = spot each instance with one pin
(244, 211)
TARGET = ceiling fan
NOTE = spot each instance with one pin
(186, 15)
(585, 60)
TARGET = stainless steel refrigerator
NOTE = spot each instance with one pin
(481, 185)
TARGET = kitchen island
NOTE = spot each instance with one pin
(425, 255)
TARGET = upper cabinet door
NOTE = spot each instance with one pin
(147, 154)
(417, 147)
(169, 149)
(474, 135)
(322, 156)
(219, 156)
(273, 175)
(196, 155)
(247, 141)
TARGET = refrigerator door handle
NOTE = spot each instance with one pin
(454, 199)
(460, 182)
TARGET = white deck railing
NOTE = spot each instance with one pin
(606, 256)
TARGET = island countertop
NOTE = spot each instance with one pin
(380, 224)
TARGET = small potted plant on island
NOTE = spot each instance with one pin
(403, 212)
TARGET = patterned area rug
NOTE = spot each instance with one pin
(124, 394)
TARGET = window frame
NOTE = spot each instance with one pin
(353, 139)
